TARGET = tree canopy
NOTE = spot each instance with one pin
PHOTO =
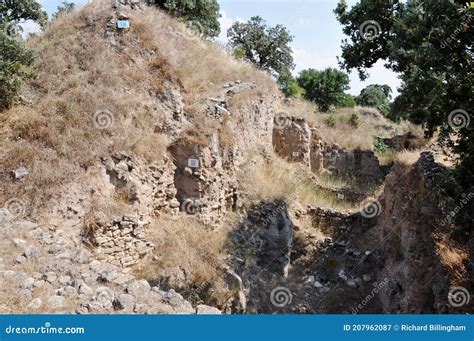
(326, 88)
(15, 58)
(64, 8)
(267, 47)
(201, 15)
(20, 10)
(429, 42)
(377, 96)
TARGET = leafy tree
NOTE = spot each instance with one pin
(289, 86)
(377, 96)
(201, 15)
(429, 42)
(348, 101)
(65, 8)
(325, 88)
(267, 47)
(21, 10)
(15, 58)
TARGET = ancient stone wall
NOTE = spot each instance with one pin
(122, 242)
(407, 231)
(292, 140)
(150, 188)
(204, 187)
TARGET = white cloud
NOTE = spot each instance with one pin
(226, 22)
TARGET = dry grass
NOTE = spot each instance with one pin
(407, 157)
(287, 181)
(81, 75)
(342, 133)
(189, 255)
(454, 258)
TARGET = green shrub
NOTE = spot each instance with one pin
(348, 101)
(290, 87)
(380, 146)
(354, 120)
(331, 121)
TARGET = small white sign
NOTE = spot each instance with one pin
(340, 196)
(193, 163)
(296, 154)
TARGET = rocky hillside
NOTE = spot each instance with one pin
(147, 171)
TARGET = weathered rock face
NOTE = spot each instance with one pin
(123, 242)
(150, 188)
(292, 140)
(418, 283)
(339, 161)
(205, 186)
(405, 141)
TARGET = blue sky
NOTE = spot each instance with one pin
(317, 33)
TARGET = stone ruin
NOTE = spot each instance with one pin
(340, 161)
(406, 141)
(122, 242)
(149, 188)
(292, 140)
(296, 141)
(204, 179)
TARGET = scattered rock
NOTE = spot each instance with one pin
(35, 304)
(138, 288)
(207, 310)
(85, 290)
(28, 283)
(125, 302)
(56, 302)
(19, 173)
(19, 259)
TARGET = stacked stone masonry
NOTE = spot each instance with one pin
(123, 242)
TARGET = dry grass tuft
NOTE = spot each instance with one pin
(189, 255)
(454, 258)
(287, 181)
